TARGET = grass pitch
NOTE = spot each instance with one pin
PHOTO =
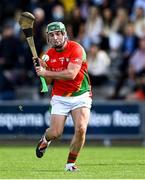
(94, 163)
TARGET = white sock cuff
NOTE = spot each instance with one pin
(44, 139)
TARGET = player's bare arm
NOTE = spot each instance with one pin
(69, 74)
(48, 80)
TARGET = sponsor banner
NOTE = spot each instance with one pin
(105, 120)
(123, 119)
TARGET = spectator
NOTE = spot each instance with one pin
(84, 9)
(129, 45)
(130, 40)
(75, 22)
(11, 50)
(68, 6)
(137, 61)
(139, 22)
(98, 65)
(107, 28)
(120, 21)
(93, 28)
(117, 4)
(7, 84)
(92, 21)
(39, 27)
(12, 59)
(58, 13)
(139, 3)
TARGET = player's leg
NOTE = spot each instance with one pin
(59, 112)
(54, 131)
(80, 117)
(56, 127)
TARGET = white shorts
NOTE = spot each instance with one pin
(63, 105)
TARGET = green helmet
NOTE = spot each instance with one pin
(55, 26)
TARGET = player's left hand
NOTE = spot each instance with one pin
(40, 71)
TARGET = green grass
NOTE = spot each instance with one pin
(94, 163)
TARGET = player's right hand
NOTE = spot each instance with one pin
(38, 62)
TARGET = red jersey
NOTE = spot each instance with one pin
(59, 60)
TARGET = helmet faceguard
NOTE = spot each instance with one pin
(56, 26)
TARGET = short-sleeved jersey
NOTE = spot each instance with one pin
(59, 60)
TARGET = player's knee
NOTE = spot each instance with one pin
(56, 133)
(81, 131)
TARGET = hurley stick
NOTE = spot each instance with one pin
(26, 22)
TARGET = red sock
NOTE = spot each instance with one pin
(72, 157)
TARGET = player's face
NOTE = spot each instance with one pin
(56, 39)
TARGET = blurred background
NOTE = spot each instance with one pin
(113, 35)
